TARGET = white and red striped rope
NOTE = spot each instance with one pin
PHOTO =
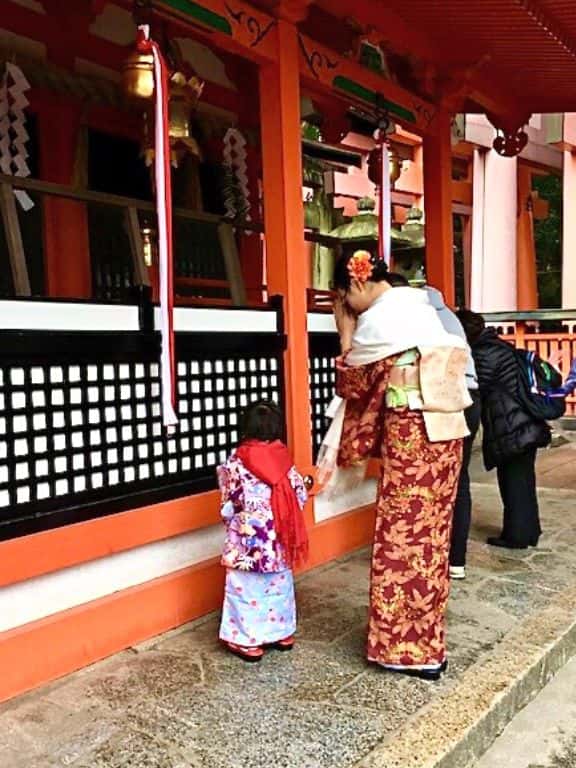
(164, 214)
(385, 212)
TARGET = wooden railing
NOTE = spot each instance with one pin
(320, 301)
(523, 329)
(207, 268)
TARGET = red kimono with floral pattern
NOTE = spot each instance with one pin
(416, 493)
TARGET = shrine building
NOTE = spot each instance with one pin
(441, 132)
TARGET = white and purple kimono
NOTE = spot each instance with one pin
(259, 604)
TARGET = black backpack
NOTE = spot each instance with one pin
(536, 379)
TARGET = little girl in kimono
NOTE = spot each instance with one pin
(262, 500)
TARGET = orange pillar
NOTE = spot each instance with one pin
(526, 280)
(66, 243)
(287, 265)
(437, 149)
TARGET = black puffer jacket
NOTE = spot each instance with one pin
(509, 429)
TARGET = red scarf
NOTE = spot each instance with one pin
(271, 463)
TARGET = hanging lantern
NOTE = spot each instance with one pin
(138, 76)
(149, 245)
(395, 166)
(184, 93)
(380, 173)
(184, 96)
(375, 165)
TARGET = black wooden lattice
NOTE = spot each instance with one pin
(80, 419)
(323, 349)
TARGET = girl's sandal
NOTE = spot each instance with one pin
(245, 652)
(284, 645)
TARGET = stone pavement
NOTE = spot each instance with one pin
(180, 701)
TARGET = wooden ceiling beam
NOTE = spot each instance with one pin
(549, 24)
(404, 39)
(64, 40)
(67, 12)
(293, 11)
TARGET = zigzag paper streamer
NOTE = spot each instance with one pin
(5, 145)
(13, 134)
(21, 166)
(229, 202)
(5, 154)
(18, 100)
(18, 77)
(235, 156)
(18, 128)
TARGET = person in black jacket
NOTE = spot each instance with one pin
(511, 435)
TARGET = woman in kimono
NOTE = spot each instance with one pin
(262, 500)
(402, 393)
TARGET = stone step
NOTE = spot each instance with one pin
(457, 728)
(544, 733)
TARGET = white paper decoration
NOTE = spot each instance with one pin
(13, 134)
(235, 158)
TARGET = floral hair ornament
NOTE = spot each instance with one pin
(360, 266)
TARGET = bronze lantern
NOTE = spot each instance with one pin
(184, 95)
(361, 232)
(375, 165)
(395, 166)
(410, 254)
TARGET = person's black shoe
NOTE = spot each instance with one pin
(429, 675)
(498, 541)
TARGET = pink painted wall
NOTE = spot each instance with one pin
(494, 270)
(351, 186)
(569, 232)
(570, 128)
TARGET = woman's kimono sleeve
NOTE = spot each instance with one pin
(364, 389)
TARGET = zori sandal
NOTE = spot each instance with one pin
(246, 653)
(284, 645)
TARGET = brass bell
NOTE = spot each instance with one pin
(138, 76)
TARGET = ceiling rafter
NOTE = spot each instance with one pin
(549, 25)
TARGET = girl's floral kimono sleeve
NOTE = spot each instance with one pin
(231, 491)
(297, 482)
(364, 389)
